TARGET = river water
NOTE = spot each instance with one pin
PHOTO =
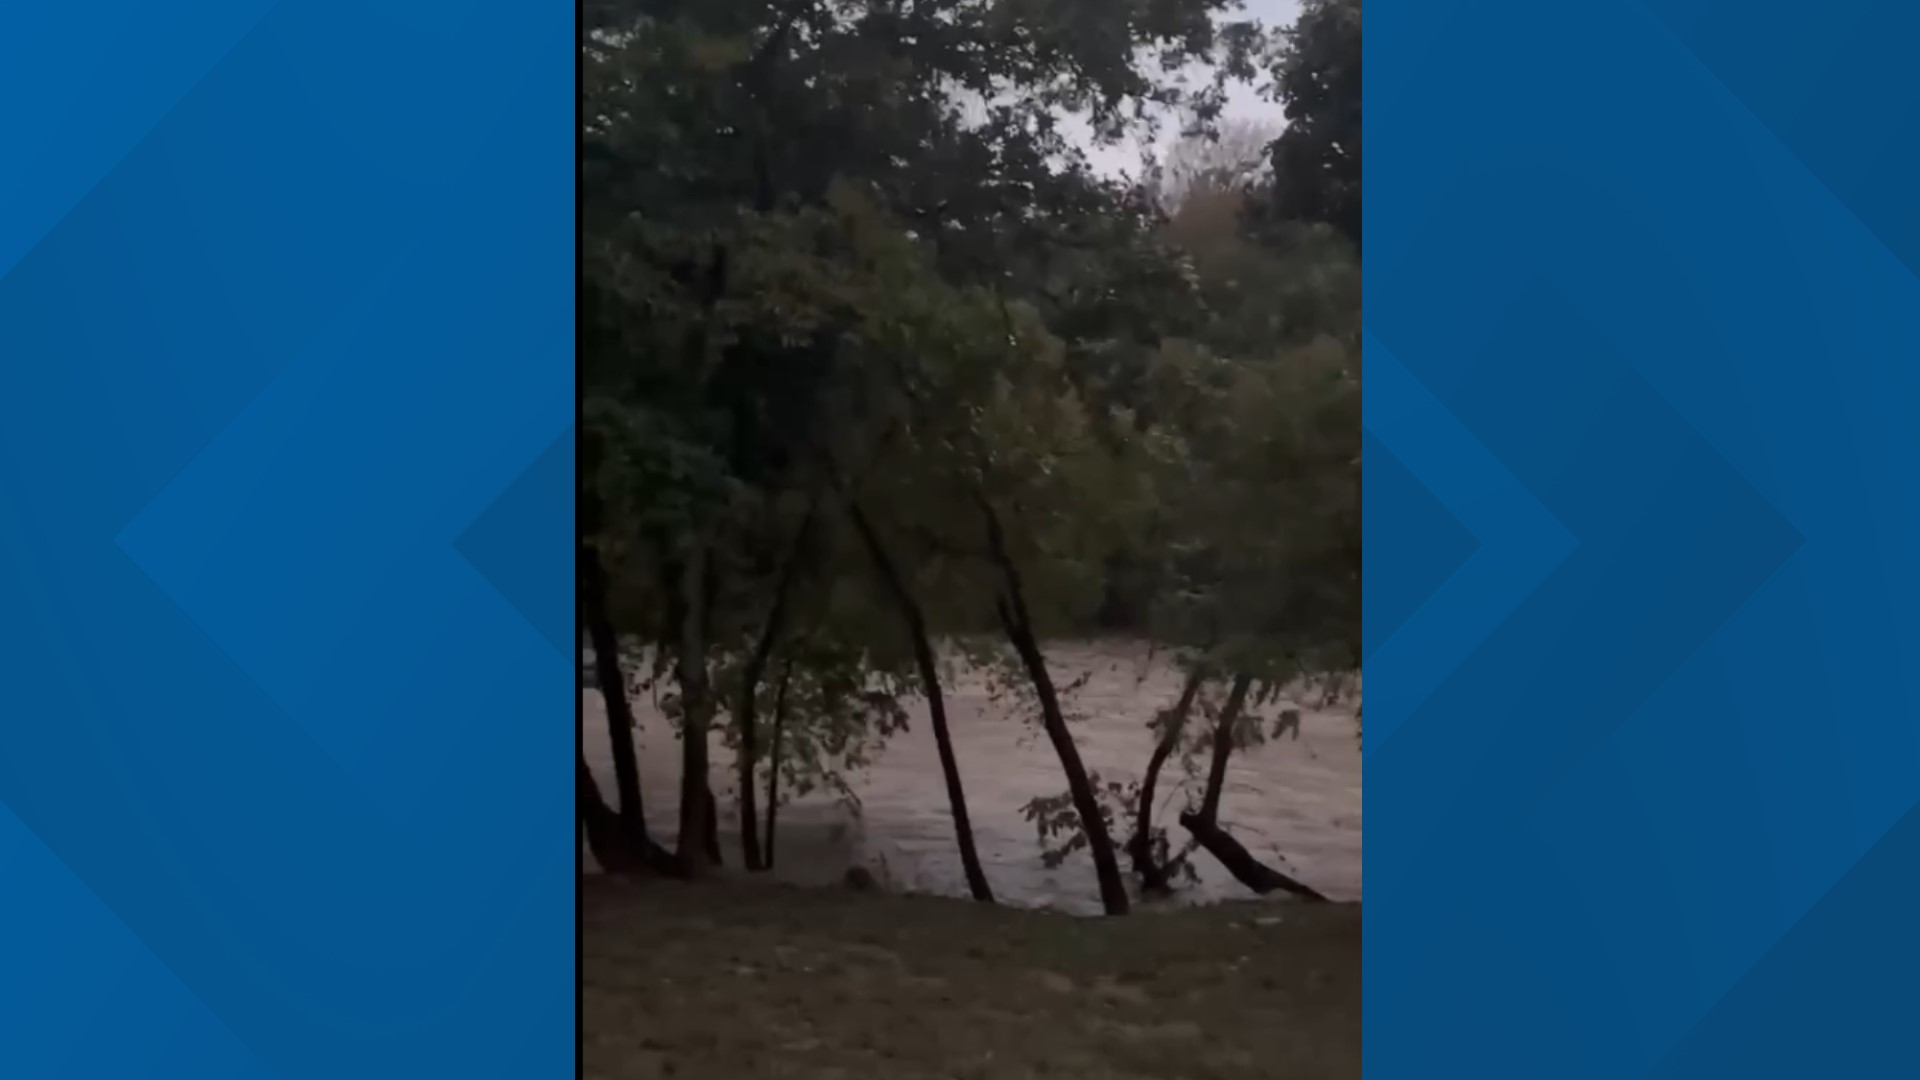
(1295, 803)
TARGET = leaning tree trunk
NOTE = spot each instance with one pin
(1155, 877)
(750, 676)
(602, 825)
(613, 690)
(923, 656)
(1223, 746)
(773, 759)
(1240, 862)
(695, 845)
(1204, 824)
(1018, 623)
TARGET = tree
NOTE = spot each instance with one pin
(634, 847)
(1206, 171)
(599, 826)
(1018, 623)
(1255, 403)
(1284, 603)
(746, 695)
(1148, 846)
(925, 663)
(833, 706)
(1316, 161)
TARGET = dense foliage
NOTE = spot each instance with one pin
(873, 358)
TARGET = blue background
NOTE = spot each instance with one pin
(286, 675)
(1643, 539)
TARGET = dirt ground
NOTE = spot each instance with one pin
(718, 981)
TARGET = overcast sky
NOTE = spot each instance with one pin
(1244, 101)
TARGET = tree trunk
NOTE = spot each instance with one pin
(1018, 623)
(1155, 877)
(602, 825)
(1205, 824)
(749, 761)
(1223, 746)
(773, 759)
(613, 690)
(695, 846)
(712, 827)
(923, 657)
(709, 594)
(1240, 862)
(743, 710)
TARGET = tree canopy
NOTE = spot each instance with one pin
(874, 360)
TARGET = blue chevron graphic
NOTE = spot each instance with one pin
(1843, 981)
(284, 787)
(1396, 503)
(70, 961)
(76, 137)
(1868, 158)
(1653, 824)
(523, 544)
(1520, 543)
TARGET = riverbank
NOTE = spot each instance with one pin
(730, 981)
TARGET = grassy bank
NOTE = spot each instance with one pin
(724, 981)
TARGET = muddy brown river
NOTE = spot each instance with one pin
(1293, 802)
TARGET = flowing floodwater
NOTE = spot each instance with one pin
(1295, 803)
